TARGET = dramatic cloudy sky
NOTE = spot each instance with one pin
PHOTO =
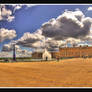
(38, 26)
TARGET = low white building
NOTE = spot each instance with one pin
(46, 55)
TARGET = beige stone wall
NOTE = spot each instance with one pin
(68, 52)
(75, 52)
(36, 55)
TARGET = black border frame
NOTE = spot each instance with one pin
(45, 2)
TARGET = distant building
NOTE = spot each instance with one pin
(37, 55)
(66, 52)
(43, 55)
(81, 51)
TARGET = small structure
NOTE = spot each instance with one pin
(46, 55)
(14, 53)
(37, 55)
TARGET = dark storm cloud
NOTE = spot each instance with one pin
(69, 24)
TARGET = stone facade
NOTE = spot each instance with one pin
(74, 52)
(71, 52)
(39, 55)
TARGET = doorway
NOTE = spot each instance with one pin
(46, 58)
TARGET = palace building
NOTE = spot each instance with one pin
(67, 52)
(74, 52)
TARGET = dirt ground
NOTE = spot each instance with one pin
(65, 73)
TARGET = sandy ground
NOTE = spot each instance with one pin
(66, 73)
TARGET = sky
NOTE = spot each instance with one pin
(21, 22)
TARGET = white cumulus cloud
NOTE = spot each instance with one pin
(89, 8)
(6, 14)
(19, 6)
(6, 34)
(7, 48)
(29, 38)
